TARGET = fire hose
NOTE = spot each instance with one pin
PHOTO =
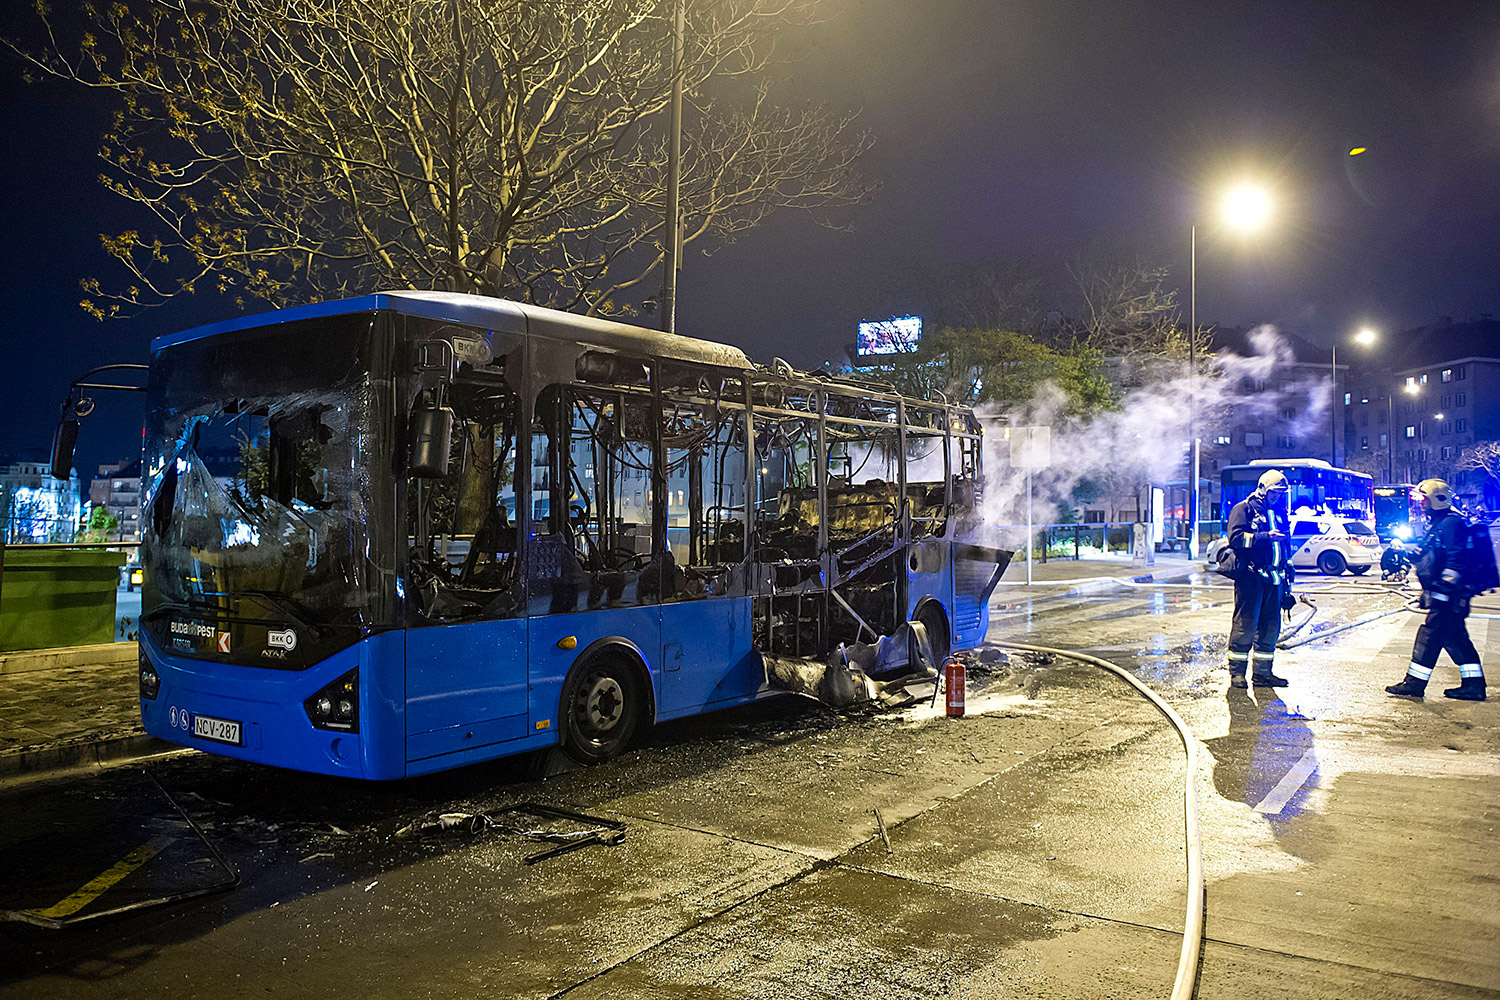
(1192, 933)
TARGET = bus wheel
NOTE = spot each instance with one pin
(1331, 563)
(931, 615)
(601, 707)
(1359, 570)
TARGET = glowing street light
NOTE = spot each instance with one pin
(1365, 337)
(1247, 207)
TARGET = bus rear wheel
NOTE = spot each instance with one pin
(936, 623)
(601, 709)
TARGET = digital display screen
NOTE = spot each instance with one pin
(898, 335)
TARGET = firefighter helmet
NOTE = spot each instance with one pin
(1272, 480)
(1437, 494)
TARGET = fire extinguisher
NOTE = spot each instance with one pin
(953, 682)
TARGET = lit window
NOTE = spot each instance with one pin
(1348, 396)
(1411, 431)
(1364, 442)
(1411, 380)
(1422, 379)
(1365, 399)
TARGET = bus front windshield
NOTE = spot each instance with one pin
(267, 456)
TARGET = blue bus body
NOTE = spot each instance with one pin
(322, 630)
(1314, 483)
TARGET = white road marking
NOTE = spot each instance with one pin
(1287, 787)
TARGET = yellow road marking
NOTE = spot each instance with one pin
(101, 883)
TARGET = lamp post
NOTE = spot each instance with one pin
(1415, 389)
(1246, 208)
(672, 258)
(1364, 338)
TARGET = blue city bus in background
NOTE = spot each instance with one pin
(1314, 483)
(1397, 515)
(455, 528)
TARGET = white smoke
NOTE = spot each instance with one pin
(1146, 439)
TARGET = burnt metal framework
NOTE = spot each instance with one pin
(806, 492)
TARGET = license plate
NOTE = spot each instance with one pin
(219, 730)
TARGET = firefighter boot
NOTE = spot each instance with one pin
(1469, 689)
(1266, 679)
(1408, 687)
(1238, 681)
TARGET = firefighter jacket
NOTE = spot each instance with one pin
(1436, 561)
(1251, 522)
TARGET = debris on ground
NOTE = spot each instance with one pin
(585, 831)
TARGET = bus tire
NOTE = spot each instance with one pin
(602, 705)
(935, 620)
(1330, 563)
(1359, 570)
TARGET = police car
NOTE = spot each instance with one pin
(1332, 544)
(1329, 544)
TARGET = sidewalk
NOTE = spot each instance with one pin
(67, 709)
(1095, 573)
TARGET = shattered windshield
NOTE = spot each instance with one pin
(268, 466)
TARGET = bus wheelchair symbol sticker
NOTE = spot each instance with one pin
(285, 639)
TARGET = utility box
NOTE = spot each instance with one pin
(57, 597)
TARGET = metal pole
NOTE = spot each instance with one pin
(1390, 438)
(1193, 392)
(672, 259)
(1029, 464)
(1333, 397)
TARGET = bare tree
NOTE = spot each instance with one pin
(1482, 457)
(509, 147)
(1129, 311)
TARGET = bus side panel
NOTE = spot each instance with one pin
(937, 584)
(706, 656)
(268, 705)
(549, 663)
(465, 686)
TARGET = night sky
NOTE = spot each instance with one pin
(1017, 134)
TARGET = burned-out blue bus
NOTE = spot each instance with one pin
(455, 528)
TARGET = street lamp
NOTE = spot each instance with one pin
(1245, 207)
(1364, 338)
(1415, 389)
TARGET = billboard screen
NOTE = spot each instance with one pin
(898, 335)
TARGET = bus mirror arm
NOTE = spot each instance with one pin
(75, 406)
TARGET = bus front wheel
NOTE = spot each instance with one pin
(601, 709)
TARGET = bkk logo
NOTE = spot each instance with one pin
(285, 639)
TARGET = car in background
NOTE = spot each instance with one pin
(1332, 545)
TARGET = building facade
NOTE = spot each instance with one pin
(34, 507)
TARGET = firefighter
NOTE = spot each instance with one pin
(1445, 595)
(1262, 584)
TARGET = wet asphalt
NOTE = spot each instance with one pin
(1032, 849)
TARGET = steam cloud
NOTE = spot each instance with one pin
(1147, 438)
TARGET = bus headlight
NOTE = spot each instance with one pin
(336, 704)
(149, 678)
(1402, 532)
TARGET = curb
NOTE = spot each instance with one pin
(80, 756)
(57, 657)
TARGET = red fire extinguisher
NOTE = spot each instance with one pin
(953, 681)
